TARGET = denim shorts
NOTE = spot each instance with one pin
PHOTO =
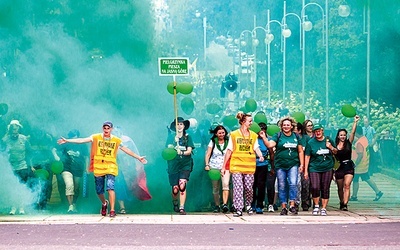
(109, 180)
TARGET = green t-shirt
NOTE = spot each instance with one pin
(321, 158)
(286, 154)
(180, 162)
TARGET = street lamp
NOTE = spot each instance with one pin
(269, 37)
(344, 11)
(243, 43)
(198, 15)
(286, 32)
(307, 26)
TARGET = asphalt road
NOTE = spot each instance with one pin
(200, 236)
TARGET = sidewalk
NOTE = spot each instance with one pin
(365, 210)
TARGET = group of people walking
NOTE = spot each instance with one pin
(299, 162)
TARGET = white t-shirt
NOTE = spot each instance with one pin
(217, 158)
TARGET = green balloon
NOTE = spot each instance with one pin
(348, 110)
(255, 128)
(213, 108)
(168, 154)
(57, 167)
(42, 174)
(3, 108)
(230, 121)
(251, 105)
(260, 117)
(170, 88)
(273, 129)
(214, 174)
(299, 117)
(187, 105)
(184, 88)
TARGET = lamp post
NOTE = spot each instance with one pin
(344, 11)
(243, 43)
(198, 15)
(269, 37)
(286, 32)
(307, 25)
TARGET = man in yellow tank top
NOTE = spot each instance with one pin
(103, 162)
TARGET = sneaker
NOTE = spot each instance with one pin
(353, 198)
(249, 210)
(122, 211)
(74, 208)
(284, 211)
(345, 207)
(176, 206)
(217, 209)
(13, 211)
(259, 210)
(271, 209)
(182, 211)
(323, 212)
(21, 211)
(104, 208)
(237, 213)
(225, 208)
(71, 209)
(293, 210)
(315, 211)
(378, 196)
(112, 214)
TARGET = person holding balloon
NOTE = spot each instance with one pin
(288, 160)
(103, 163)
(180, 165)
(345, 173)
(74, 159)
(241, 151)
(214, 159)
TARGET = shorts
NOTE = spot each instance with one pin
(174, 178)
(364, 177)
(109, 180)
(340, 173)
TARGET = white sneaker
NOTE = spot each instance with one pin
(70, 209)
(315, 211)
(271, 208)
(249, 210)
(323, 212)
(21, 211)
(13, 211)
(74, 208)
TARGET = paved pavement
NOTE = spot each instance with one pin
(365, 210)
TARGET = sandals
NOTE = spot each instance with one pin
(122, 211)
(378, 196)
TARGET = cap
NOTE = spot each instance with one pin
(317, 126)
(16, 122)
(108, 123)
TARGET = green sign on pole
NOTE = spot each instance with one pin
(173, 66)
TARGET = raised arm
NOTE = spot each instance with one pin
(353, 129)
(269, 144)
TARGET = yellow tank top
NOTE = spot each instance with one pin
(243, 159)
(103, 156)
(362, 167)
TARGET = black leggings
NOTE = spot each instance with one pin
(321, 183)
